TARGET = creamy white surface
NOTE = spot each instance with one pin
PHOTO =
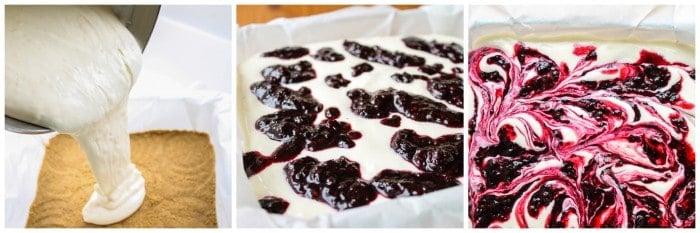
(70, 68)
(372, 151)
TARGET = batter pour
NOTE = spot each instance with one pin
(70, 68)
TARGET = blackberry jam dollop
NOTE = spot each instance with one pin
(287, 52)
(380, 55)
(381, 103)
(294, 73)
(336, 81)
(274, 205)
(452, 51)
(296, 131)
(361, 68)
(328, 54)
(446, 87)
(443, 155)
(393, 121)
(336, 182)
(393, 183)
(277, 96)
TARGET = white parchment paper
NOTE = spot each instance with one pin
(442, 208)
(609, 22)
(184, 84)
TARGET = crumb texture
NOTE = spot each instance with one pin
(178, 167)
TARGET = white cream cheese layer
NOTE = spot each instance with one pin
(70, 68)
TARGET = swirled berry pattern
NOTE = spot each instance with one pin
(590, 144)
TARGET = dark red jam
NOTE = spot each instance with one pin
(381, 103)
(274, 205)
(328, 54)
(442, 155)
(392, 121)
(452, 51)
(392, 183)
(336, 182)
(287, 52)
(294, 73)
(336, 81)
(379, 55)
